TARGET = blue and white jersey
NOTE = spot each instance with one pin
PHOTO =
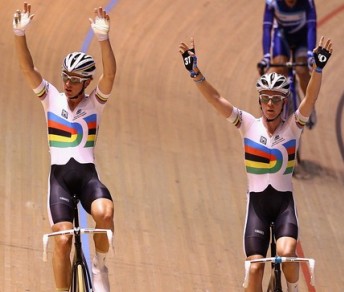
(295, 22)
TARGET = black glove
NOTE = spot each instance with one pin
(321, 56)
(190, 62)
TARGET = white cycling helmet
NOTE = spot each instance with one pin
(79, 63)
(273, 81)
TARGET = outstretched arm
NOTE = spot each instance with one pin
(101, 27)
(321, 55)
(223, 106)
(21, 21)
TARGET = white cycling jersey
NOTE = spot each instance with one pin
(71, 134)
(269, 160)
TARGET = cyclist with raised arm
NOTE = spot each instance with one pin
(73, 119)
(289, 29)
(270, 145)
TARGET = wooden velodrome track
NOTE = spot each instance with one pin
(174, 167)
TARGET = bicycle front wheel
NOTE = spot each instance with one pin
(81, 279)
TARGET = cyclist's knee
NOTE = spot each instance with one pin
(63, 244)
(102, 212)
(104, 220)
(287, 251)
(257, 270)
(286, 247)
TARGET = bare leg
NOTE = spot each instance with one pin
(102, 211)
(61, 257)
(256, 276)
(286, 247)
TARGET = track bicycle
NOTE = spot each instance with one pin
(294, 100)
(81, 276)
(275, 282)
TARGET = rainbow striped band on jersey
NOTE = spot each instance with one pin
(42, 89)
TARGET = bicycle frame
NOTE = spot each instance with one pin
(81, 277)
(275, 284)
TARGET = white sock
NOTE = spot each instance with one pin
(292, 287)
(100, 259)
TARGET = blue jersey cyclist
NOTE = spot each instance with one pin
(270, 145)
(289, 28)
(73, 118)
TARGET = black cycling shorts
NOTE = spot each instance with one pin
(69, 179)
(263, 209)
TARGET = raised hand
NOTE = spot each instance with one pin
(100, 24)
(322, 53)
(189, 57)
(22, 19)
